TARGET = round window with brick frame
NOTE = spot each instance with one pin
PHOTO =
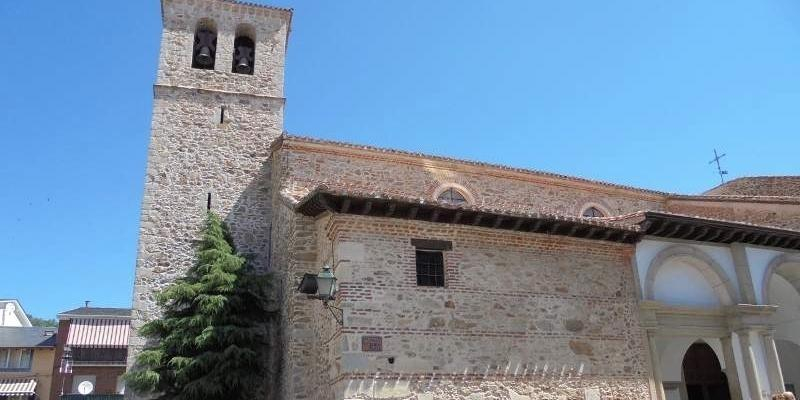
(452, 196)
(593, 212)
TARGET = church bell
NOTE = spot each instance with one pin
(244, 50)
(204, 49)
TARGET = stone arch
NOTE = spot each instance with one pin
(460, 188)
(710, 269)
(785, 265)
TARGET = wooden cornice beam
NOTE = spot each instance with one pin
(323, 201)
(715, 235)
(573, 229)
(435, 215)
(701, 233)
(367, 208)
(673, 231)
(688, 232)
(554, 228)
(661, 227)
(537, 223)
(412, 212)
(345, 206)
(457, 217)
(390, 210)
(477, 219)
(728, 236)
(518, 223)
(497, 221)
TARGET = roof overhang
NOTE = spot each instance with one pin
(674, 226)
(321, 201)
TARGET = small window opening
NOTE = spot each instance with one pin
(430, 268)
(452, 196)
(593, 212)
(222, 115)
(205, 46)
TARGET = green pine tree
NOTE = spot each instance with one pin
(212, 338)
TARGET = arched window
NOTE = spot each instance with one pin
(593, 212)
(204, 51)
(452, 196)
(244, 50)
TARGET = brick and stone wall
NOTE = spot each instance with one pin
(311, 163)
(522, 316)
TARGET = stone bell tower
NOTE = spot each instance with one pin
(218, 105)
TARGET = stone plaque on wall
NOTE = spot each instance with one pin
(371, 343)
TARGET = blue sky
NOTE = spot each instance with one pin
(632, 92)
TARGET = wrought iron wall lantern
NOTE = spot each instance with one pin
(322, 286)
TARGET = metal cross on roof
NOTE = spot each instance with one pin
(720, 171)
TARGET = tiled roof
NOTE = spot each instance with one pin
(97, 312)
(708, 196)
(251, 4)
(15, 336)
(771, 186)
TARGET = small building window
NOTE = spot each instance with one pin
(452, 196)
(430, 268)
(593, 212)
(204, 51)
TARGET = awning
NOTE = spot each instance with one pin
(98, 332)
(17, 387)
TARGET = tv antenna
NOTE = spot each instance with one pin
(720, 171)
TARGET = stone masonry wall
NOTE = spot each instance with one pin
(337, 167)
(521, 316)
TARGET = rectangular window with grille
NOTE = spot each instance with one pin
(430, 268)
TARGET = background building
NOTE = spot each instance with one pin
(12, 314)
(94, 340)
(458, 279)
(26, 355)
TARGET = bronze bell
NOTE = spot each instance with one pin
(204, 56)
(243, 55)
(205, 43)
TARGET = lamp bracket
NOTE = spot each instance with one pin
(338, 313)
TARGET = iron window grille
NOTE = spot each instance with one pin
(430, 268)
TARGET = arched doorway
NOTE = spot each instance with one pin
(703, 374)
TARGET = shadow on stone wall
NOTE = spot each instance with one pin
(250, 222)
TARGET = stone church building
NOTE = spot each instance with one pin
(458, 279)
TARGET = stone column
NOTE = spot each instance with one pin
(655, 360)
(773, 363)
(749, 361)
(730, 368)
